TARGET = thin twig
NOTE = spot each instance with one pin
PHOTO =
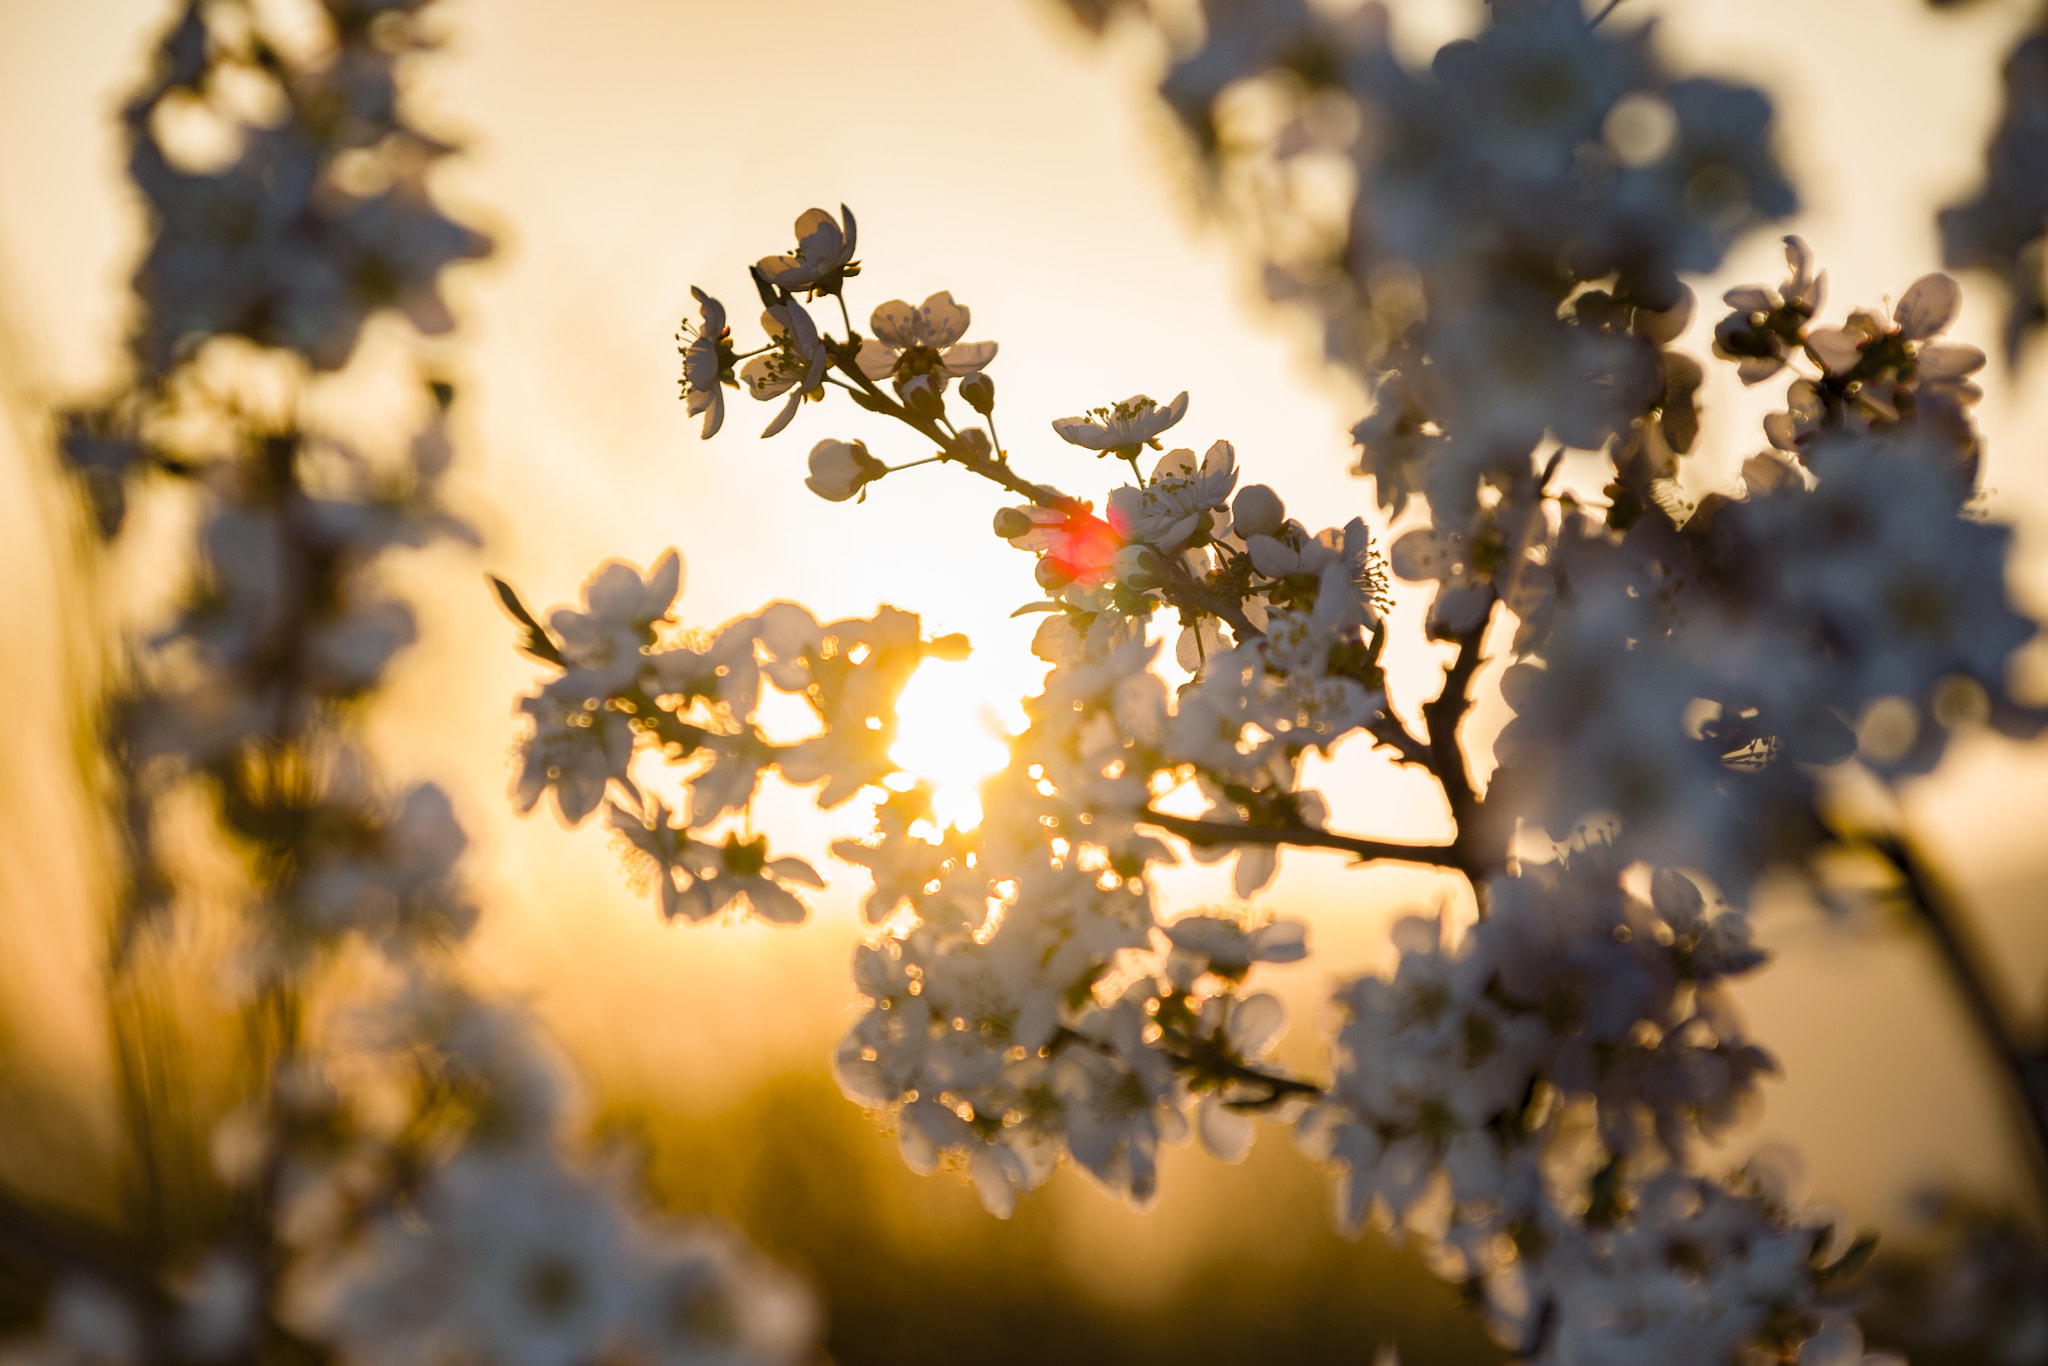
(1203, 832)
(1181, 590)
(955, 450)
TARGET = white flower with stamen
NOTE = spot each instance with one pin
(823, 256)
(1123, 428)
(796, 365)
(924, 340)
(707, 363)
(1180, 499)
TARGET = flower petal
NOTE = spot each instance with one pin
(896, 323)
(877, 358)
(966, 358)
(943, 320)
(782, 418)
(1929, 306)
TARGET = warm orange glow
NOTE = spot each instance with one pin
(953, 729)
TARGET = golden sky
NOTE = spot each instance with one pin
(623, 150)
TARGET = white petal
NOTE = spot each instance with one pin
(1837, 347)
(1225, 1133)
(1929, 306)
(1949, 360)
(1256, 1025)
(1271, 558)
(1422, 554)
(943, 321)
(817, 233)
(1079, 431)
(1256, 866)
(782, 418)
(1283, 941)
(966, 358)
(796, 870)
(774, 905)
(877, 358)
(896, 323)
(664, 581)
(760, 381)
(1757, 369)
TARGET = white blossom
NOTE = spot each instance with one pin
(707, 363)
(823, 255)
(841, 469)
(924, 340)
(1179, 499)
(1122, 428)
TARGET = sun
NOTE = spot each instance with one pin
(953, 731)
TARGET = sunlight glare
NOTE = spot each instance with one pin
(953, 732)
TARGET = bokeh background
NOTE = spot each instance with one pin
(623, 150)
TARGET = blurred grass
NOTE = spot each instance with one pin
(911, 1269)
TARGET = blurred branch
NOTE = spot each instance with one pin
(2026, 1071)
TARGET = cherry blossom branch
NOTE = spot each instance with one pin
(868, 396)
(1278, 1086)
(1441, 718)
(2026, 1073)
(1393, 733)
(1183, 591)
(1203, 832)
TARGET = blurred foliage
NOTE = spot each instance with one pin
(911, 1269)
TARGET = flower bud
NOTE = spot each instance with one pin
(980, 392)
(840, 469)
(1138, 567)
(1052, 575)
(921, 395)
(1012, 523)
(977, 442)
(1256, 511)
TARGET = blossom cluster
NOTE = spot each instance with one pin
(1529, 1098)
(398, 1176)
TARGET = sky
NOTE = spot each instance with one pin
(624, 150)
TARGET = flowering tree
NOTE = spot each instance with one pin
(1529, 1093)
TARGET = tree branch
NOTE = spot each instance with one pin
(1182, 591)
(1304, 837)
(955, 450)
(1393, 733)
(1983, 1001)
(1440, 718)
